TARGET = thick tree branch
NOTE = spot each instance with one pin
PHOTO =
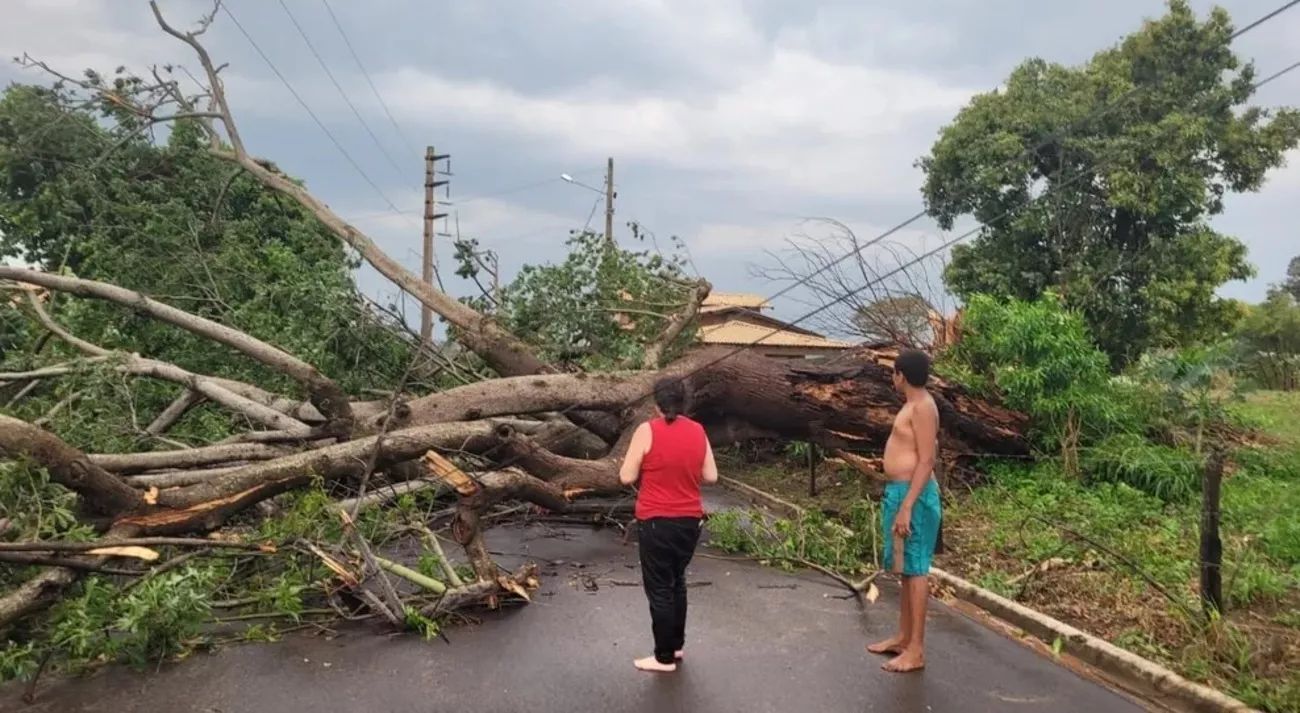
(504, 352)
(186, 458)
(102, 491)
(326, 395)
(187, 400)
(655, 350)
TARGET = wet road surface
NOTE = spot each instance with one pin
(757, 640)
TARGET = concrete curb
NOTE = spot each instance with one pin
(1138, 675)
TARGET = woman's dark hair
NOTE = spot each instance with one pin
(670, 397)
(914, 365)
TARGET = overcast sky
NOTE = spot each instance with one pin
(729, 121)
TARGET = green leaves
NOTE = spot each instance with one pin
(598, 308)
(1040, 357)
(1098, 181)
(1269, 340)
(170, 220)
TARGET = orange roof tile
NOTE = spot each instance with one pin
(735, 299)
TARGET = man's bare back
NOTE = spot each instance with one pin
(901, 453)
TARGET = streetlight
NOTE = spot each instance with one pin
(608, 193)
(570, 179)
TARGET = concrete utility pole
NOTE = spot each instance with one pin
(609, 201)
(429, 259)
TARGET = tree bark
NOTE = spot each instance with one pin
(186, 458)
(654, 351)
(102, 491)
(331, 463)
(526, 395)
(173, 413)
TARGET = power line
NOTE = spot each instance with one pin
(321, 60)
(1276, 75)
(409, 144)
(1096, 114)
(880, 278)
(356, 166)
(1264, 19)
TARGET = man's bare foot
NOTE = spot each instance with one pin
(652, 664)
(910, 660)
(892, 645)
(679, 654)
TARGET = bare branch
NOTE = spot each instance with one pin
(185, 458)
(221, 106)
(506, 353)
(327, 396)
(173, 413)
(69, 467)
(140, 366)
(655, 350)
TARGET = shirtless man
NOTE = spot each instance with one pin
(911, 508)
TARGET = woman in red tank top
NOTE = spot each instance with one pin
(671, 456)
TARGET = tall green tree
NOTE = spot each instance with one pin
(1098, 181)
(1270, 340)
(1292, 281)
(598, 309)
(89, 192)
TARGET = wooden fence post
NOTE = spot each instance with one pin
(1211, 544)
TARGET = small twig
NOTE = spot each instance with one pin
(394, 606)
(271, 615)
(29, 693)
(1121, 558)
(857, 588)
(22, 393)
(411, 575)
(167, 566)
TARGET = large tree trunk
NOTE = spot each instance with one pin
(849, 404)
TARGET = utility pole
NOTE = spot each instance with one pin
(429, 259)
(609, 201)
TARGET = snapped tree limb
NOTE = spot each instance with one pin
(102, 491)
(326, 395)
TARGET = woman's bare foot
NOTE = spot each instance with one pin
(910, 660)
(679, 654)
(652, 664)
(892, 645)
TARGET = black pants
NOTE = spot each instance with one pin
(667, 545)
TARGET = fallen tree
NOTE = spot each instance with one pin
(538, 434)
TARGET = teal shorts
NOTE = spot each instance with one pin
(918, 548)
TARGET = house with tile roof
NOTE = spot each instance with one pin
(737, 319)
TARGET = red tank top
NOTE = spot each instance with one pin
(671, 470)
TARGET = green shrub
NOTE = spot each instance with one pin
(1268, 340)
(1041, 359)
(1167, 472)
(1187, 391)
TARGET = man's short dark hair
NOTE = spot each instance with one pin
(914, 365)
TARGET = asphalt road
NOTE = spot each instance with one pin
(757, 640)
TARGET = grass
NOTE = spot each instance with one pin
(1275, 412)
(1124, 561)
(838, 489)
